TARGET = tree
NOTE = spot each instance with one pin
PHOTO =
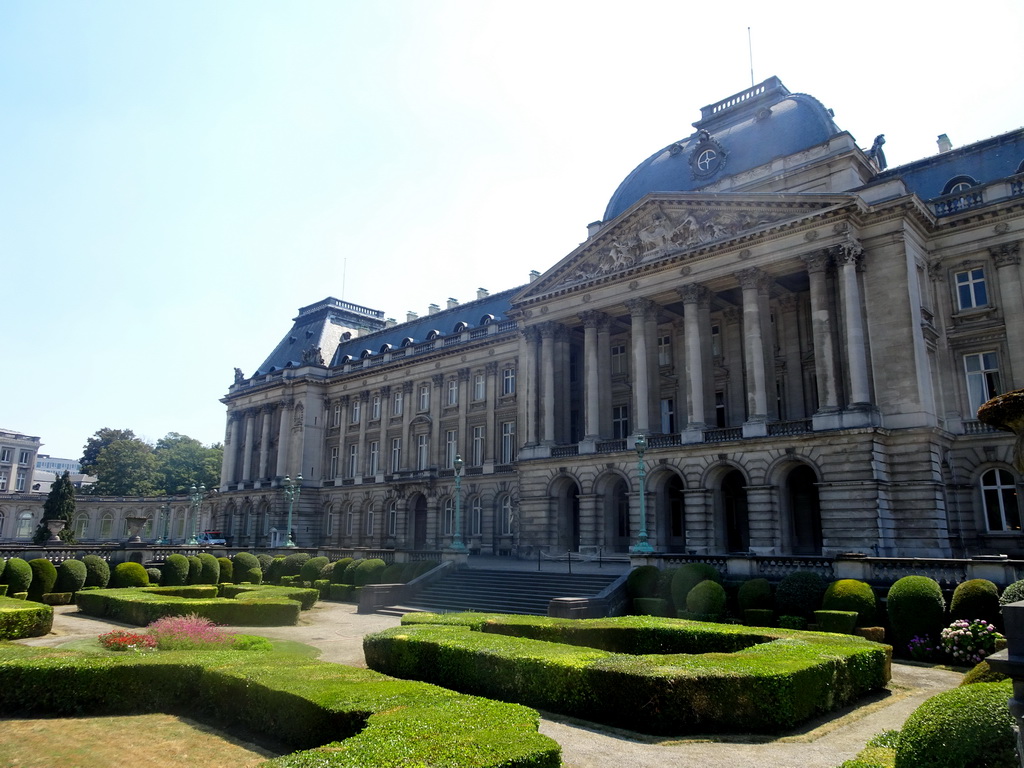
(59, 505)
(126, 467)
(95, 444)
(182, 461)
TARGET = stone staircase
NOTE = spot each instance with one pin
(493, 591)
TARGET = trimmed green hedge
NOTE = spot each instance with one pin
(251, 608)
(647, 674)
(20, 618)
(342, 715)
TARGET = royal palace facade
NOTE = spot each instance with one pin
(801, 334)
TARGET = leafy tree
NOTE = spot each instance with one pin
(126, 467)
(59, 505)
(183, 461)
(95, 444)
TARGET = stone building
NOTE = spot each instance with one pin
(802, 335)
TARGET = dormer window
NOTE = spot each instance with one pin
(460, 327)
(385, 348)
(959, 184)
(486, 319)
(408, 341)
(433, 335)
(366, 354)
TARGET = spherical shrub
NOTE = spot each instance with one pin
(755, 593)
(369, 571)
(17, 576)
(975, 599)
(1013, 593)
(962, 728)
(209, 572)
(293, 563)
(97, 571)
(274, 572)
(265, 561)
(799, 594)
(851, 595)
(310, 570)
(349, 576)
(155, 575)
(71, 576)
(129, 575)
(393, 574)
(643, 581)
(982, 673)
(326, 571)
(175, 571)
(707, 599)
(689, 576)
(195, 570)
(242, 562)
(44, 576)
(253, 575)
(916, 608)
(227, 570)
(338, 570)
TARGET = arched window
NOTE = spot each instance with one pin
(3, 519)
(999, 499)
(433, 334)
(476, 514)
(460, 326)
(408, 341)
(393, 518)
(25, 526)
(80, 526)
(505, 515)
(107, 525)
(486, 319)
(179, 525)
(330, 522)
(448, 517)
(385, 348)
(350, 523)
(369, 522)
(959, 184)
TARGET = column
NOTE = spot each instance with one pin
(563, 387)
(264, 468)
(639, 310)
(436, 448)
(530, 397)
(547, 365)
(695, 296)
(364, 418)
(491, 437)
(591, 374)
(250, 428)
(408, 406)
(284, 433)
(461, 439)
(821, 332)
(679, 371)
(753, 282)
(227, 471)
(604, 375)
(847, 257)
(1011, 299)
(653, 370)
(787, 328)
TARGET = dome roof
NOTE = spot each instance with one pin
(734, 135)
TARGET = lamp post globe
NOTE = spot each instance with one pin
(642, 546)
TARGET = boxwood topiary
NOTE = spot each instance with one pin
(293, 563)
(97, 571)
(129, 575)
(349, 576)
(916, 608)
(44, 576)
(175, 571)
(265, 560)
(1013, 593)
(706, 599)
(643, 581)
(755, 593)
(689, 576)
(851, 595)
(155, 575)
(227, 570)
(195, 570)
(209, 572)
(799, 594)
(982, 673)
(338, 570)
(71, 576)
(253, 575)
(274, 572)
(965, 727)
(369, 571)
(393, 574)
(310, 570)
(975, 599)
(17, 576)
(242, 562)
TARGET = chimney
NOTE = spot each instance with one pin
(593, 228)
(410, 316)
(482, 293)
(944, 143)
(534, 274)
(452, 303)
(390, 322)
(433, 309)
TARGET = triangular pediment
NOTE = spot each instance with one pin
(672, 227)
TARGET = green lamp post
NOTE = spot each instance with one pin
(457, 543)
(291, 493)
(642, 546)
(196, 496)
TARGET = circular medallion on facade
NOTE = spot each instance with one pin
(708, 158)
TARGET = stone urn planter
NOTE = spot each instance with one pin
(55, 525)
(1006, 412)
(135, 523)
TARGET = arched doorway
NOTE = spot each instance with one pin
(804, 511)
(734, 512)
(616, 516)
(671, 517)
(419, 522)
(567, 500)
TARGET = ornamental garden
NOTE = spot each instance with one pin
(698, 656)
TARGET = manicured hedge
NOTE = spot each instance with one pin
(19, 618)
(97, 571)
(342, 715)
(44, 576)
(305, 596)
(143, 606)
(650, 675)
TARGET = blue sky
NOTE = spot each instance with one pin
(177, 179)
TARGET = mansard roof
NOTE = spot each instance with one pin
(744, 131)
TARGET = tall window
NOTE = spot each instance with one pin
(107, 526)
(720, 408)
(334, 461)
(3, 480)
(508, 381)
(422, 451)
(356, 408)
(19, 483)
(505, 515)
(479, 435)
(393, 518)
(453, 392)
(25, 527)
(350, 523)
(397, 403)
(331, 522)
(970, 288)
(982, 371)
(451, 447)
(999, 497)
(664, 350)
(476, 514)
(716, 340)
(620, 422)
(5, 455)
(374, 457)
(619, 358)
(668, 416)
(353, 460)
(396, 454)
(81, 526)
(508, 442)
(424, 396)
(369, 522)
(479, 386)
(337, 415)
(375, 408)
(448, 517)
(24, 457)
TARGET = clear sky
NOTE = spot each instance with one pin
(178, 178)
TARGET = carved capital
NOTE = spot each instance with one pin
(548, 329)
(753, 278)
(463, 374)
(641, 308)
(817, 261)
(847, 253)
(345, 400)
(491, 369)
(364, 396)
(1006, 254)
(407, 387)
(531, 333)
(267, 408)
(286, 403)
(250, 413)
(438, 380)
(695, 293)
(593, 318)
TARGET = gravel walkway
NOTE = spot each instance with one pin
(337, 630)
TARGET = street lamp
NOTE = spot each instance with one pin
(195, 497)
(291, 493)
(165, 512)
(457, 545)
(642, 546)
